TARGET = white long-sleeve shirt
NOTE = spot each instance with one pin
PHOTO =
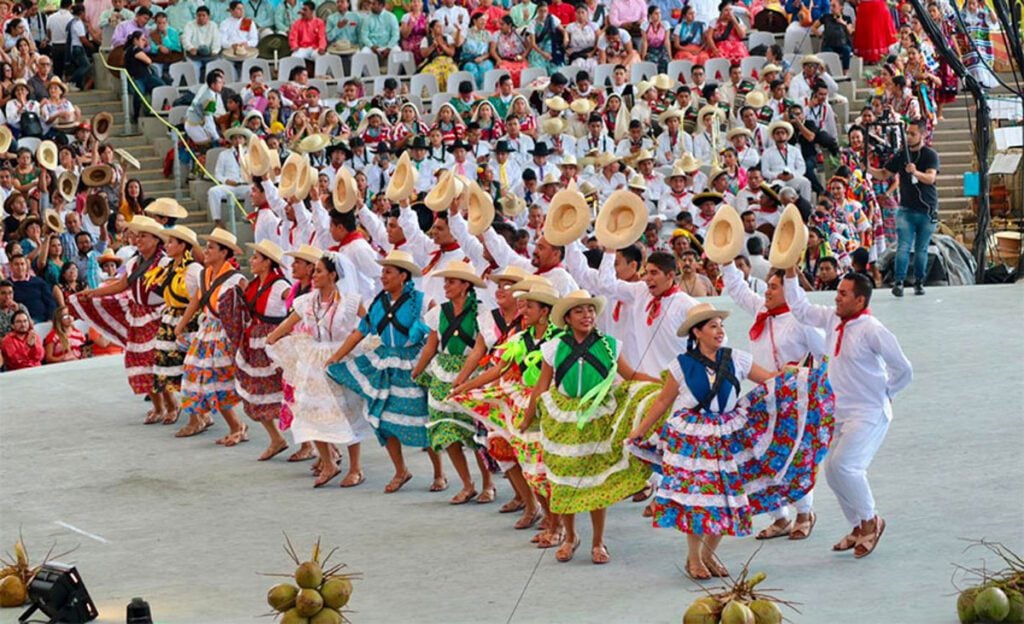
(773, 161)
(228, 166)
(505, 256)
(195, 36)
(870, 368)
(784, 339)
(428, 255)
(474, 251)
(231, 33)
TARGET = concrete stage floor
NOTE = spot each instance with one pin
(187, 524)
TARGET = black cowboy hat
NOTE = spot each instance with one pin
(541, 149)
(419, 142)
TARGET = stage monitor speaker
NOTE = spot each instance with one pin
(58, 591)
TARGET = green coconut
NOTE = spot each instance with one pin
(309, 575)
(326, 616)
(766, 612)
(1016, 615)
(12, 592)
(282, 597)
(737, 613)
(336, 592)
(700, 613)
(309, 602)
(991, 603)
(291, 616)
(965, 605)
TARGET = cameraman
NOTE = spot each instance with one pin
(808, 136)
(918, 214)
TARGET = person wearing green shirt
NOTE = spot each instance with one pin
(378, 30)
(262, 13)
(343, 25)
(522, 13)
(219, 10)
(179, 13)
(285, 15)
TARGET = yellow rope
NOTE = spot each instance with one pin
(181, 137)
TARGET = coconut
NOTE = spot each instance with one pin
(309, 602)
(336, 592)
(326, 616)
(282, 597)
(700, 613)
(291, 616)
(965, 605)
(737, 613)
(991, 603)
(12, 592)
(309, 575)
(1016, 615)
(766, 612)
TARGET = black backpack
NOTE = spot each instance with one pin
(30, 124)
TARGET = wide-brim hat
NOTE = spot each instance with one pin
(568, 216)
(672, 112)
(462, 270)
(725, 236)
(341, 46)
(643, 87)
(811, 59)
(46, 155)
(529, 282)
(239, 52)
(53, 220)
(587, 188)
(556, 103)
(541, 293)
(101, 125)
(223, 238)
(541, 149)
(785, 125)
(271, 44)
(637, 182)
(165, 207)
(688, 163)
(663, 82)
(258, 159)
(770, 68)
(55, 80)
(67, 184)
(440, 197)
(403, 181)
(6, 138)
(677, 171)
(128, 158)
(642, 154)
(512, 273)
(708, 109)
(550, 178)
(326, 9)
(306, 252)
(314, 143)
(716, 172)
(97, 209)
(108, 255)
(789, 240)
(572, 300)
(700, 198)
(146, 225)
(771, 192)
(345, 191)
(605, 158)
(582, 106)
(480, 213)
(698, 314)
(268, 249)
(97, 175)
(621, 220)
(294, 174)
(402, 260)
(238, 131)
(512, 205)
(755, 99)
(552, 126)
(27, 221)
(182, 233)
(735, 132)
(568, 161)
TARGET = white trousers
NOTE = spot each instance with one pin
(310, 54)
(223, 192)
(854, 444)
(206, 133)
(803, 506)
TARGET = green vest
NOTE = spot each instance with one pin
(462, 337)
(578, 380)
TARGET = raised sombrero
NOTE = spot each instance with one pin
(402, 185)
(789, 240)
(568, 216)
(480, 213)
(621, 220)
(725, 238)
(345, 192)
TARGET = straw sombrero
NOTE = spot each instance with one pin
(67, 184)
(223, 238)
(770, 68)
(511, 273)
(6, 138)
(672, 112)
(755, 99)
(268, 249)
(557, 103)
(708, 109)
(182, 233)
(790, 239)
(128, 158)
(698, 314)
(46, 155)
(663, 82)
(101, 125)
(512, 205)
(294, 174)
(259, 161)
(53, 221)
(568, 161)
(402, 185)
(605, 158)
(621, 220)
(574, 299)
(239, 52)
(550, 178)
(108, 255)
(480, 214)
(238, 131)
(345, 192)
(165, 207)
(582, 106)
(688, 163)
(97, 175)
(735, 132)
(341, 46)
(97, 209)
(541, 293)
(552, 126)
(725, 238)
(314, 143)
(402, 260)
(812, 59)
(462, 270)
(440, 197)
(529, 282)
(637, 182)
(146, 225)
(309, 253)
(568, 216)
(785, 125)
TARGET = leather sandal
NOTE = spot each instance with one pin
(773, 530)
(273, 451)
(236, 438)
(301, 455)
(867, 542)
(326, 477)
(153, 417)
(396, 483)
(439, 485)
(463, 497)
(599, 555)
(801, 530)
(348, 481)
(643, 494)
(487, 496)
(694, 575)
(512, 506)
(171, 417)
(565, 557)
(848, 541)
(527, 522)
(550, 540)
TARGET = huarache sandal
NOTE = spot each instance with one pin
(527, 522)
(567, 550)
(273, 451)
(643, 494)
(439, 485)
(463, 497)
(326, 477)
(698, 575)
(716, 569)
(487, 496)
(802, 528)
(775, 530)
(868, 541)
(848, 542)
(512, 506)
(236, 438)
(189, 430)
(170, 417)
(599, 555)
(396, 483)
(303, 454)
(352, 480)
(549, 539)
(153, 417)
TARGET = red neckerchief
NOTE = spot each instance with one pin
(842, 327)
(351, 236)
(654, 305)
(762, 318)
(616, 311)
(435, 257)
(252, 215)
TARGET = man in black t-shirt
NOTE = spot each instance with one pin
(918, 213)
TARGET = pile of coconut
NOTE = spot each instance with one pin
(16, 573)
(993, 596)
(319, 593)
(740, 603)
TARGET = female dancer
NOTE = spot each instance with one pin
(718, 451)
(584, 421)
(453, 330)
(395, 406)
(257, 380)
(324, 412)
(872, 44)
(304, 261)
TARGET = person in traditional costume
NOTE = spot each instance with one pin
(584, 420)
(132, 320)
(304, 260)
(396, 407)
(208, 383)
(718, 451)
(324, 413)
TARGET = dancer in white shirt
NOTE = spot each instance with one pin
(867, 368)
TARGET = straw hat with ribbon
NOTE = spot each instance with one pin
(698, 314)
(268, 249)
(621, 220)
(309, 253)
(97, 175)
(480, 213)
(512, 205)
(101, 125)
(541, 293)
(725, 237)
(128, 158)
(440, 197)
(108, 255)
(165, 207)
(96, 209)
(402, 185)
(258, 159)
(789, 240)
(46, 155)
(53, 221)
(461, 270)
(573, 300)
(314, 143)
(67, 184)
(511, 273)
(345, 192)
(182, 233)
(402, 260)
(223, 238)
(342, 46)
(294, 174)
(6, 138)
(145, 225)
(568, 216)
(239, 52)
